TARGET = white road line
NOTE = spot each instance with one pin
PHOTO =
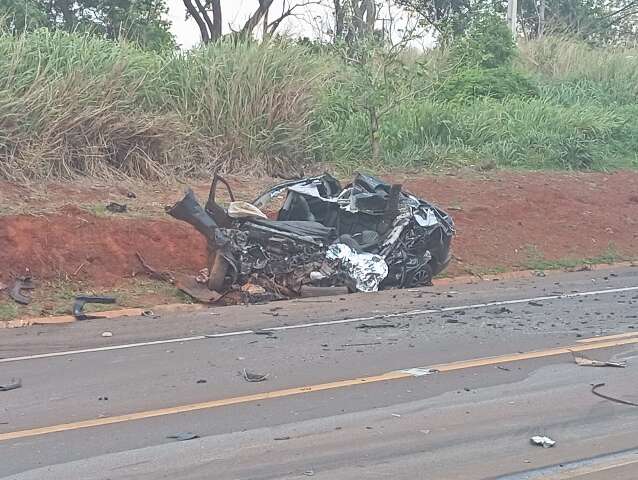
(322, 324)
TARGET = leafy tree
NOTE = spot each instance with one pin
(483, 63)
(451, 18)
(599, 21)
(18, 16)
(486, 43)
(138, 21)
(596, 21)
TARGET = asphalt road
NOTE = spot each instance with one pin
(429, 383)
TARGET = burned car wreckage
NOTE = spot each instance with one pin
(367, 236)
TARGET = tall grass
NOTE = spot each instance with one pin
(585, 117)
(75, 105)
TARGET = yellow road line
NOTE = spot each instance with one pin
(516, 357)
(601, 342)
(591, 469)
(609, 337)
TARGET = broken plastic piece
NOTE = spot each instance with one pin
(16, 292)
(82, 300)
(189, 210)
(253, 377)
(244, 210)
(196, 291)
(586, 362)
(12, 385)
(117, 207)
(377, 325)
(541, 441)
(180, 437)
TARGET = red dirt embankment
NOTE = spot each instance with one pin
(502, 221)
(76, 245)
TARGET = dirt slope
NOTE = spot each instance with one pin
(505, 221)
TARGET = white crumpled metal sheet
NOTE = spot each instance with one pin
(366, 269)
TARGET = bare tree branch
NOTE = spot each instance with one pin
(272, 26)
(629, 6)
(255, 18)
(193, 12)
(205, 17)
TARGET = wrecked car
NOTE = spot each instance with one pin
(366, 236)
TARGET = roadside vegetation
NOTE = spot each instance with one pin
(75, 104)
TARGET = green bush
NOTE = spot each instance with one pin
(482, 64)
(487, 43)
(498, 83)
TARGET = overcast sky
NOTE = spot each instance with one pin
(310, 22)
(235, 13)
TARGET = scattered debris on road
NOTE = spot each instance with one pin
(181, 437)
(282, 438)
(195, 290)
(12, 385)
(81, 300)
(264, 332)
(534, 303)
(309, 473)
(325, 239)
(117, 207)
(17, 291)
(420, 371)
(253, 377)
(498, 311)
(365, 326)
(360, 344)
(541, 441)
(107, 334)
(586, 362)
(594, 390)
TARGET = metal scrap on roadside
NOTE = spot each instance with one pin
(14, 384)
(325, 239)
(542, 441)
(586, 362)
(253, 377)
(82, 300)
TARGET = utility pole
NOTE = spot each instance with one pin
(512, 9)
